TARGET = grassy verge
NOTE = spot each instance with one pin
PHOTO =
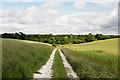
(92, 64)
(58, 67)
(21, 59)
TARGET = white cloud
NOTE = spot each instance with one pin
(79, 5)
(47, 20)
(51, 5)
(33, 20)
(96, 22)
(12, 27)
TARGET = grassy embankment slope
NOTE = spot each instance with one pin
(21, 58)
(58, 67)
(97, 59)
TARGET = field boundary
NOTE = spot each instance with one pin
(68, 67)
(46, 70)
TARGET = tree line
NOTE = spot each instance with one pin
(59, 39)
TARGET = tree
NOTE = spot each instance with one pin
(59, 39)
(54, 44)
(71, 36)
(101, 37)
(22, 36)
(66, 38)
(50, 34)
(90, 37)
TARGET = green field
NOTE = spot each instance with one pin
(58, 67)
(92, 60)
(107, 46)
(20, 58)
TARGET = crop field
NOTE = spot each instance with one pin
(107, 46)
(20, 59)
(97, 59)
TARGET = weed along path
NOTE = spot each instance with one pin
(52, 66)
(68, 67)
(46, 70)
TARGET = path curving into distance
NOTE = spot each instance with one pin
(68, 67)
(46, 70)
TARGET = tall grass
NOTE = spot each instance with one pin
(58, 67)
(92, 64)
(21, 59)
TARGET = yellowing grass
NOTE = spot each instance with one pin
(107, 46)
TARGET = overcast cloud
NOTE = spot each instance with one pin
(47, 19)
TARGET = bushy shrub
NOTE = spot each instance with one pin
(53, 44)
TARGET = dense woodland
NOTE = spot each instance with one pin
(59, 39)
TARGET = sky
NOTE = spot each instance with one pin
(70, 17)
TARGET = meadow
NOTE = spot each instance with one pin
(107, 46)
(20, 58)
(98, 59)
